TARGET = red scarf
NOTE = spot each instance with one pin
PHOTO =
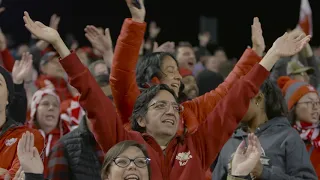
(309, 132)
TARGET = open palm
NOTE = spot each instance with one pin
(244, 159)
(137, 14)
(258, 43)
(40, 30)
(28, 155)
(288, 45)
(22, 70)
(99, 40)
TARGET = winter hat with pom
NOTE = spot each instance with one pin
(293, 90)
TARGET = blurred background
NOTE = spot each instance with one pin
(178, 20)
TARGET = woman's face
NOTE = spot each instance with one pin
(171, 75)
(48, 112)
(131, 171)
(308, 108)
(254, 108)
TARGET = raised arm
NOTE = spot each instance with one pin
(123, 73)
(223, 120)
(200, 107)
(99, 108)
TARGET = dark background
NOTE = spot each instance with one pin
(179, 20)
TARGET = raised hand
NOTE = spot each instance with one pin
(101, 41)
(154, 30)
(54, 21)
(40, 30)
(165, 47)
(3, 171)
(258, 44)
(290, 44)
(138, 15)
(28, 155)
(3, 42)
(22, 70)
(245, 159)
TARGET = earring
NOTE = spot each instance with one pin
(257, 104)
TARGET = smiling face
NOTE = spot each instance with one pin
(48, 112)
(171, 76)
(121, 170)
(186, 57)
(162, 117)
(308, 108)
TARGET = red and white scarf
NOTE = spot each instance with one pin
(309, 132)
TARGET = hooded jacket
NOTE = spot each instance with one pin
(183, 159)
(125, 89)
(284, 156)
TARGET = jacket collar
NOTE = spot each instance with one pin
(8, 125)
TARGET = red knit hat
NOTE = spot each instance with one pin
(185, 72)
(293, 90)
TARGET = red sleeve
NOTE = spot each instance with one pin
(199, 108)
(8, 60)
(38, 143)
(223, 120)
(123, 73)
(108, 128)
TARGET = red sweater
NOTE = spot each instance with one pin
(183, 160)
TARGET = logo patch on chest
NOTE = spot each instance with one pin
(11, 141)
(183, 158)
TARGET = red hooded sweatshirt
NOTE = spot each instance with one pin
(188, 159)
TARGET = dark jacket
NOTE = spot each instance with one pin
(18, 107)
(31, 176)
(74, 156)
(289, 159)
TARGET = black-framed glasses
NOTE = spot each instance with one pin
(124, 162)
(311, 103)
(165, 105)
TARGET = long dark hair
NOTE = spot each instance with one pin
(141, 106)
(149, 67)
(116, 150)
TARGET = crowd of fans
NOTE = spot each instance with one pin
(143, 111)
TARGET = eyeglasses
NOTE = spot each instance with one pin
(124, 162)
(165, 105)
(312, 103)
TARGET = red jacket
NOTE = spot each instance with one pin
(9, 138)
(183, 160)
(315, 159)
(125, 89)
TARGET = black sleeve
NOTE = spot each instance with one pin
(18, 107)
(31, 176)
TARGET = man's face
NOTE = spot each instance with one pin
(162, 117)
(186, 58)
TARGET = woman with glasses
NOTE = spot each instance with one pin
(304, 110)
(126, 160)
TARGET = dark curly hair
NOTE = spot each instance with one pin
(140, 108)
